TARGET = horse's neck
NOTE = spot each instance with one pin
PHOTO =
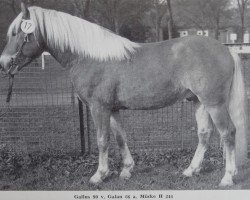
(64, 58)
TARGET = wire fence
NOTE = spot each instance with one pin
(43, 116)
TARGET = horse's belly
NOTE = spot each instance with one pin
(146, 97)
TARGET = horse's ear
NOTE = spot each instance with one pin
(25, 11)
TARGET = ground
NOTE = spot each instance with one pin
(153, 171)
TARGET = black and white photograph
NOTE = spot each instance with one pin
(124, 99)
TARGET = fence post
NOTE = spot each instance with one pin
(88, 128)
(81, 126)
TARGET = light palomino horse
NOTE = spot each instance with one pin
(111, 73)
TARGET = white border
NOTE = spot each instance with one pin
(132, 195)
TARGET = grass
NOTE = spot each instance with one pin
(153, 171)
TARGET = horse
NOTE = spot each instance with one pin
(111, 73)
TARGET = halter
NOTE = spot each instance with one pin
(14, 65)
(28, 28)
(19, 53)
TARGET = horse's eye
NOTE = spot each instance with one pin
(13, 33)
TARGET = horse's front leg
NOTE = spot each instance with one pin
(101, 117)
(120, 135)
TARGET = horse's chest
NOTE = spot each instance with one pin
(93, 85)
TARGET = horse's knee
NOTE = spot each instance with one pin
(113, 123)
(120, 141)
(102, 143)
(228, 136)
(204, 135)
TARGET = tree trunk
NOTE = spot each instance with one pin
(157, 22)
(217, 27)
(170, 21)
(242, 6)
(157, 28)
(86, 10)
(116, 16)
(242, 28)
(116, 24)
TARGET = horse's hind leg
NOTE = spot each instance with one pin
(120, 135)
(101, 117)
(205, 129)
(225, 126)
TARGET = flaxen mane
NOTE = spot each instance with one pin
(68, 32)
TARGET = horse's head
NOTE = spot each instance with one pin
(23, 45)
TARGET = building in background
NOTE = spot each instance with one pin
(227, 36)
(193, 31)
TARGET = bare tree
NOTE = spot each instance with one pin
(108, 12)
(159, 14)
(191, 14)
(12, 4)
(170, 21)
(113, 14)
(204, 14)
(155, 16)
(242, 5)
(82, 8)
(215, 9)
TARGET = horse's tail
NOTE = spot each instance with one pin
(238, 110)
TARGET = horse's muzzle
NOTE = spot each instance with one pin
(3, 71)
(5, 62)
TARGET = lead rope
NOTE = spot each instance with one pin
(11, 77)
(11, 81)
(9, 95)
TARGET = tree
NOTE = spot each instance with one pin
(160, 12)
(242, 6)
(190, 14)
(215, 10)
(114, 14)
(12, 4)
(170, 21)
(82, 8)
(108, 12)
(204, 14)
(156, 18)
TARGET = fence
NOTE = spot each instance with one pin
(44, 116)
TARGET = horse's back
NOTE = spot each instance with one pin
(164, 72)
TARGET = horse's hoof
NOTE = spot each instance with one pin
(226, 183)
(94, 180)
(98, 177)
(125, 174)
(188, 172)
